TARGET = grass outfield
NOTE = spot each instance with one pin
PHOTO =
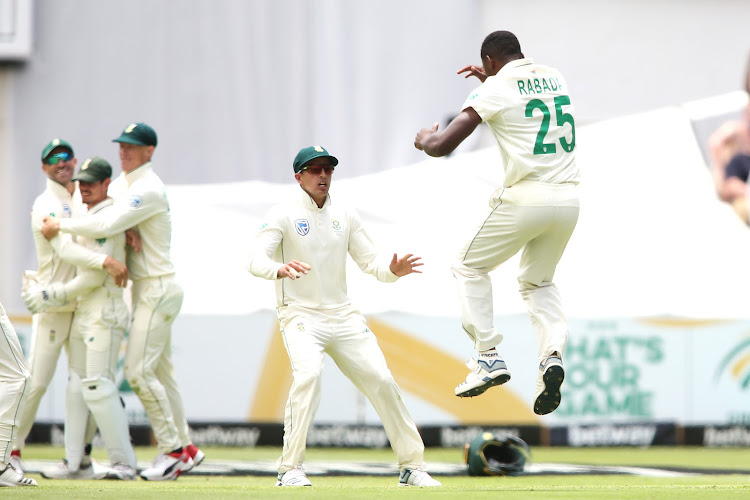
(358, 487)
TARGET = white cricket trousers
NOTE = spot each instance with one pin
(50, 332)
(346, 338)
(14, 384)
(99, 327)
(148, 359)
(534, 217)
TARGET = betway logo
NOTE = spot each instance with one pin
(732, 436)
(458, 437)
(347, 436)
(225, 436)
(609, 435)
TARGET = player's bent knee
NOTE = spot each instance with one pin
(306, 380)
(137, 378)
(383, 382)
(98, 388)
(136, 383)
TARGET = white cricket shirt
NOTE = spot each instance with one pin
(95, 285)
(56, 201)
(145, 208)
(321, 237)
(528, 110)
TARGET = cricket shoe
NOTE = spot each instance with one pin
(547, 396)
(121, 472)
(63, 471)
(16, 462)
(168, 466)
(416, 477)
(195, 454)
(483, 375)
(293, 477)
(11, 477)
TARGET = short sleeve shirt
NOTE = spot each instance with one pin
(527, 107)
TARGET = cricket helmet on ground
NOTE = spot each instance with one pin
(492, 455)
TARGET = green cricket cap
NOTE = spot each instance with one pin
(139, 134)
(94, 170)
(56, 143)
(309, 153)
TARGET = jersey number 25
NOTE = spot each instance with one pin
(545, 148)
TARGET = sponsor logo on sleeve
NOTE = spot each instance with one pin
(136, 201)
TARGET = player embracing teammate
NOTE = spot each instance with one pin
(157, 297)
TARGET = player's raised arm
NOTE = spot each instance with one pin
(441, 143)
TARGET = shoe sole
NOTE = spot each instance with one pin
(549, 399)
(197, 462)
(172, 477)
(480, 389)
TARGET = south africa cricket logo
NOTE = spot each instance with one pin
(302, 226)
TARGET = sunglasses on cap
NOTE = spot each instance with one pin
(58, 157)
(317, 169)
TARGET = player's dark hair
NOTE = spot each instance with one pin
(501, 45)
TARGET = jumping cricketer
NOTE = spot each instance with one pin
(529, 112)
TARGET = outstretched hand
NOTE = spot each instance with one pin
(294, 270)
(472, 70)
(405, 265)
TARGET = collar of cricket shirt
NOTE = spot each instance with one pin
(308, 202)
(138, 173)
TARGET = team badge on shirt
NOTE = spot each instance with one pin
(136, 201)
(336, 227)
(302, 226)
(67, 211)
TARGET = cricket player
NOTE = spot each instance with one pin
(157, 298)
(98, 329)
(14, 384)
(303, 245)
(51, 329)
(528, 110)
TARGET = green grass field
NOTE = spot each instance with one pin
(359, 487)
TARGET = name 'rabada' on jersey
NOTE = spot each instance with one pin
(539, 85)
